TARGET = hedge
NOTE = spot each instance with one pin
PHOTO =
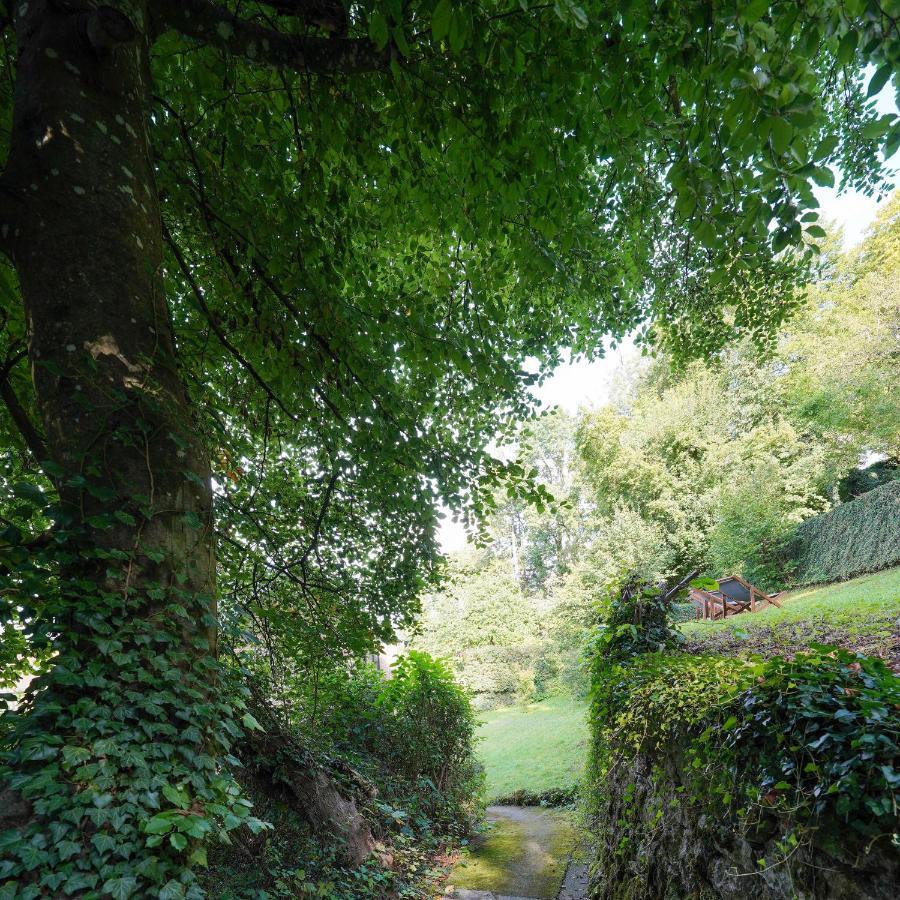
(850, 539)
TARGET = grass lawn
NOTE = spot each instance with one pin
(859, 614)
(534, 747)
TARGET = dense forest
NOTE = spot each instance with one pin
(275, 278)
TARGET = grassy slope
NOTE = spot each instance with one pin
(861, 614)
(534, 747)
(544, 745)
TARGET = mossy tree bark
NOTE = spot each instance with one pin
(87, 246)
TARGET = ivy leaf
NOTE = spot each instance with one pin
(171, 890)
(74, 756)
(121, 888)
(65, 849)
(79, 882)
(103, 842)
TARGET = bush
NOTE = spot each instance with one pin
(431, 727)
(860, 481)
(817, 739)
(411, 734)
(559, 796)
(851, 539)
(501, 676)
(683, 612)
(753, 529)
(400, 747)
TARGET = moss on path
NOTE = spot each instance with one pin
(524, 853)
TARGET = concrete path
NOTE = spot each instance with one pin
(524, 855)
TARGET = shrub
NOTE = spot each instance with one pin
(787, 753)
(411, 734)
(850, 539)
(558, 796)
(430, 734)
(497, 676)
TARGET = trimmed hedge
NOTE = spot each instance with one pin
(851, 539)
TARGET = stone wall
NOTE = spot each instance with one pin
(654, 841)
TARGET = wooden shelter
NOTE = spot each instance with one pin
(734, 596)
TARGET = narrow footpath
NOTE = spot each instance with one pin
(527, 853)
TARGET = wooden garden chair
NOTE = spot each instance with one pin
(746, 595)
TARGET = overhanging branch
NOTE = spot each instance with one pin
(23, 423)
(217, 330)
(329, 15)
(216, 26)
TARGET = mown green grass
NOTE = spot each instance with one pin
(535, 747)
(858, 614)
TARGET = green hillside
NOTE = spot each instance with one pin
(860, 614)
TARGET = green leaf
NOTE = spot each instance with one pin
(847, 47)
(161, 823)
(171, 890)
(754, 11)
(176, 796)
(251, 723)
(121, 888)
(178, 841)
(440, 20)
(879, 79)
(781, 133)
(30, 492)
(378, 30)
(103, 842)
(257, 825)
(823, 176)
(459, 30)
(79, 882)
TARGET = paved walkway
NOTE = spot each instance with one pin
(525, 855)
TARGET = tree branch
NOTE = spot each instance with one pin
(27, 429)
(216, 26)
(329, 15)
(223, 339)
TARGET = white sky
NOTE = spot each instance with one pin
(587, 383)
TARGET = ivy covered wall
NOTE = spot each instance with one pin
(850, 539)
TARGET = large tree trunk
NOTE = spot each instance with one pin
(130, 610)
(88, 252)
